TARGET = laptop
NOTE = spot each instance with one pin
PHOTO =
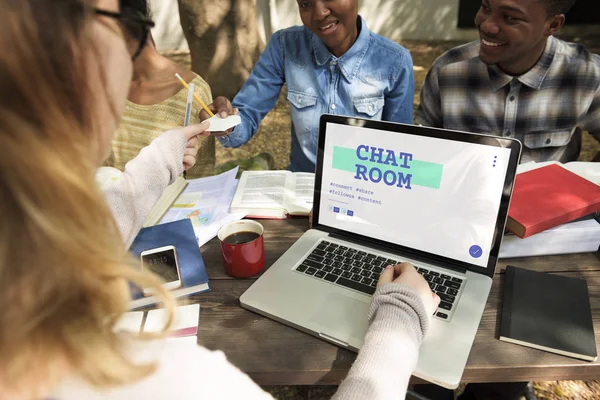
(387, 193)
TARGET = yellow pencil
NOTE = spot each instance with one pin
(185, 85)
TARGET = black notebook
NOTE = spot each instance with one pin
(548, 312)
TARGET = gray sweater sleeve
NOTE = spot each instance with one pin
(398, 323)
(132, 197)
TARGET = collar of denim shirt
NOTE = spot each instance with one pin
(532, 78)
(351, 60)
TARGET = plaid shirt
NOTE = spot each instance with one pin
(542, 108)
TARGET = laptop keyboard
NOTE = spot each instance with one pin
(360, 271)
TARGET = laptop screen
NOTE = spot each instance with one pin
(432, 194)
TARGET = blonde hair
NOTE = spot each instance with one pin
(64, 271)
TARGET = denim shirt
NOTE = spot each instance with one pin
(373, 79)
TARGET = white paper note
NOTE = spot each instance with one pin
(130, 322)
(185, 322)
(218, 124)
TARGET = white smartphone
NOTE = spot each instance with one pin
(163, 262)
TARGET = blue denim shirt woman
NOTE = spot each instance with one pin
(333, 64)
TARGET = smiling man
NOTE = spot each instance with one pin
(333, 64)
(518, 81)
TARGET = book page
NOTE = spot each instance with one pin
(587, 170)
(204, 200)
(302, 187)
(261, 189)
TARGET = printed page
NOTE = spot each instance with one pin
(261, 190)
(301, 187)
(207, 232)
(204, 200)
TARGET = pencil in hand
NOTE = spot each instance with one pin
(204, 106)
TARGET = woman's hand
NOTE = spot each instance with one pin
(406, 274)
(191, 150)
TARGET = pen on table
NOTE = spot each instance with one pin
(188, 109)
(185, 85)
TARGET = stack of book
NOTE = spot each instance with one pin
(554, 210)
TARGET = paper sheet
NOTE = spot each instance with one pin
(185, 322)
(587, 170)
(130, 322)
(218, 124)
(184, 341)
(206, 203)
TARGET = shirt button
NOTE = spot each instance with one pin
(370, 107)
(333, 106)
(334, 63)
(299, 99)
(512, 98)
(548, 141)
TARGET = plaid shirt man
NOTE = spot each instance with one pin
(543, 108)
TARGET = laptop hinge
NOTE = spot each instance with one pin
(390, 249)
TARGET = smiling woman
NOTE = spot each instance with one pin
(332, 64)
(65, 273)
(335, 23)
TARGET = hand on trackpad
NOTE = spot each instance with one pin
(342, 317)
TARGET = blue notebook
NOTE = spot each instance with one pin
(181, 235)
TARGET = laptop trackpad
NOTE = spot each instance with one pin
(342, 317)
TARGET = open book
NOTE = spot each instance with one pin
(274, 194)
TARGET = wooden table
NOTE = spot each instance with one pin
(275, 354)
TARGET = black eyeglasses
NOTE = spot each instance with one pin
(137, 27)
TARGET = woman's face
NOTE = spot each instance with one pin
(333, 21)
(110, 71)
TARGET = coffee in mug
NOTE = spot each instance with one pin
(241, 237)
(242, 248)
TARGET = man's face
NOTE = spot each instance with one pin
(333, 21)
(513, 32)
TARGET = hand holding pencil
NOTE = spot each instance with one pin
(221, 105)
(191, 151)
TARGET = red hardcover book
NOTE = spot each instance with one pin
(550, 196)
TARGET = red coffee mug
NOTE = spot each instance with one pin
(243, 248)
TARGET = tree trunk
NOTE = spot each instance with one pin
(223, 39)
